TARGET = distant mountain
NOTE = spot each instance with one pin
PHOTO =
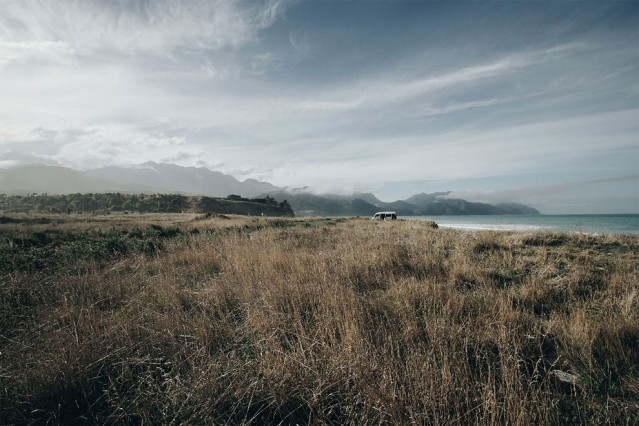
(369, 198)
(306, 203)
(58, 180)
(516, 208)
(153, 177)
(259, 186)
(435, 204)
(423, 199)
(144, 178)
(187, 180)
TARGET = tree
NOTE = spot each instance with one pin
(286, 208)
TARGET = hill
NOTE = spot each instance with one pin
(187, 180)
(435, 204)
(59, 180)
(144, 178)
(150, 177)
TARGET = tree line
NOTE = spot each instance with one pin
(142, 203)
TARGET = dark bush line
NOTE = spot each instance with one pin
(40, 250)
(141, 203)
(37, 220)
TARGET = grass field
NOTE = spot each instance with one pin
(166, 319)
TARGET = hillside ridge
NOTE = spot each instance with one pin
(160, 178)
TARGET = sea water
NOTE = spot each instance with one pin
(588, 224)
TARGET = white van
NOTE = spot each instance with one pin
(385, 216)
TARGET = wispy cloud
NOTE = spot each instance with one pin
(21, 51)
(382, 91)
(130, 27)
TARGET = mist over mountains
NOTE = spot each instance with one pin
(152, 177)
(148, 177)
(366, 204)
(188, 180)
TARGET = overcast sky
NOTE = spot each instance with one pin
(536, 102)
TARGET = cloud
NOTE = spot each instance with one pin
(382, 91)
(21, 51)
(85, 148)
(572, 145)
(12, 158)
(119, 146)
(133, 27)
(102, 62)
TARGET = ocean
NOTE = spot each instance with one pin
(627, 224)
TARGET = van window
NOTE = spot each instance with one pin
(385, 216)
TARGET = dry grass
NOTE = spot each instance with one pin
(325, 321)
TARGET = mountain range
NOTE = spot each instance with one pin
(366, 204)
(153, 177)
(146, 178)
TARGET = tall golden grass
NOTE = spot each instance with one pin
(328, 322)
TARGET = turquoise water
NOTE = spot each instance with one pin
(588, 224)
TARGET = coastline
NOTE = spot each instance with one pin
(619, 224)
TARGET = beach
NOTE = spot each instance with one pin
(620, 224)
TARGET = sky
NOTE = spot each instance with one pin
(526, 101)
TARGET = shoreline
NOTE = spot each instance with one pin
(580, 224)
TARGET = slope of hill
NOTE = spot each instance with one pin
(188, 180)
(59, 180)
(305, 203)
(423, 199)
(146, 178)
(435, 204)
(516, 208)
(152, 177)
